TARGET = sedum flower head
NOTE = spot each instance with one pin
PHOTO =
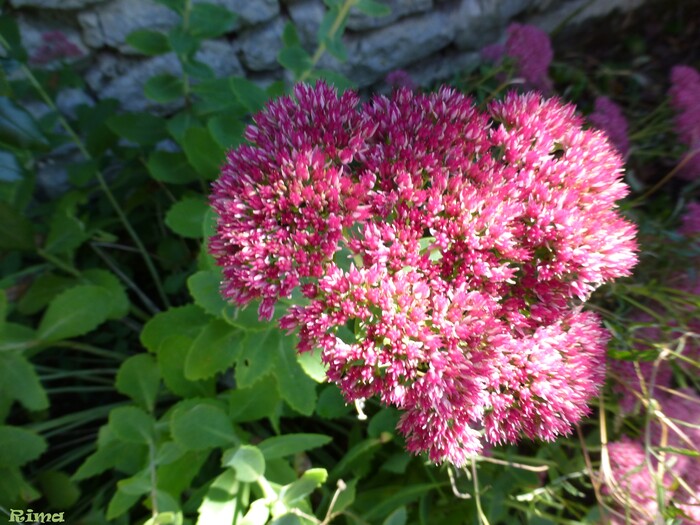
(441, 250)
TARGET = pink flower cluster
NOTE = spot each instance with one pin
(453, 242)
(685, 99)
(55, 46)
(531, 49)
(633, 485)
(608, 116)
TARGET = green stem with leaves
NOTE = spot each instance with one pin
(337, 23)
(98, 174)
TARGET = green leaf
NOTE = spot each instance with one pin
(186, 320)
(164, 88)
(210, 20)
(179, 123)
(248, 93)
(42, 290)
(247, 461)
(10, 171)
(148, 42)
(372, 8)
(81, 173)
(19, 446)
(296, 388)
(18, 380)
(309, 481)
(290, 37)
(10, 31)
(295, 58)
(213, 351)
(65, 234)
(119, 301)
(3, 309)
(216, 97)
(258, 513)
(198, 70)
(185, 217)
(198, 425)
(182, 42)
(136, 485)
(176, 5)
(120, 503)
(257, 402)
(313, 366)
(220, 504)
(18, 128)
(391, 498)
(331, 404)
(203, 152)
(257, 356)
(290, 444)
(172, 355)
(287, 519)
(138, 377)
(17, 231)
(226, 130)
(132, 425)
(142, 128)
(60, 491)
(172, 168)
(398, 517)
(16, 337)
(336, 47)
(383, 421)
(75, 312)
(204, 289)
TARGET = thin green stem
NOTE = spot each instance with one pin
(98, 174)
(59, 263)
(89, 349)
(666, 177)
(342, 14)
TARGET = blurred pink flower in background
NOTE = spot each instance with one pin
(608, 116)
(55, 46)
(685, 99)
(399, 78)
(531, 49)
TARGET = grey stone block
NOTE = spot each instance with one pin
(260, 45)
(55, 4)
(358, 21)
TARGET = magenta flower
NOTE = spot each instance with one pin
(685, 99)
(55, 46)
(532, 50)
(608, 117)
(454, 242)
(691, 220)
(400, 78)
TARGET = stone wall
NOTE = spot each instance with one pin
(431, 39)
